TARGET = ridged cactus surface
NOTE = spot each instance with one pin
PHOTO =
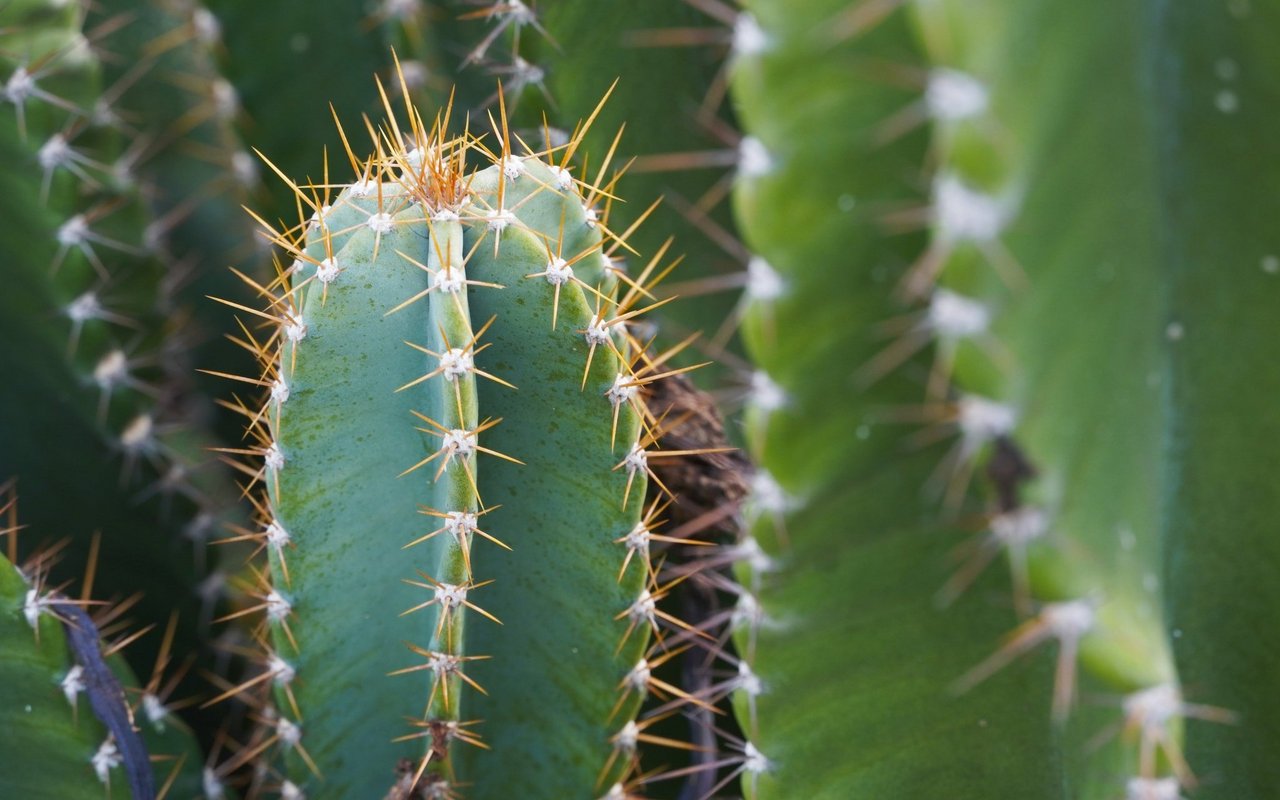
(1008, 272)
(93, 429)
(454, 463)
(1063, 328)
(847, 657)
(670, 127)
(179, 114)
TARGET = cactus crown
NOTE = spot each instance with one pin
(448, 357)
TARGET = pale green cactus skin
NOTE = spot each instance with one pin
(413, 315)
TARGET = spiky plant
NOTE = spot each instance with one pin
(1015, 226)
(96, 424)
(1089, 232)
(454, 458)
(71, 708)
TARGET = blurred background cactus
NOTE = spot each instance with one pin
(436, 499)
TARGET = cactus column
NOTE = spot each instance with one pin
(1076, 299)
(452, 454)
(848, 656)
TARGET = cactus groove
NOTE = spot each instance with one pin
(452, 453)
(1072, 358)
(1009, 276)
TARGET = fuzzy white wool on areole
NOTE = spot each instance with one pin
(279, 391)
(456, 363)
(597, 331)
(763, 282)
(327, 271)
(637, 460)
(106, 758)
(1069, 620)
(952, 95)
(980, 419)
(84, 308)
(623, 390)
(954, 316)
(638, 677)
(558, 272)
(754, 159)
(74, 232)
(1152, 709)
(499, 219)
(137, 435)
(448, 279)
(563, 180)
(276, 535)
(1152, 789)
(450, 595)
(290, 733)
(1020, 526)
(749, 39)
(273, 457)
(154, 709)
(644, 608)
(962, 214)
(460, 523)
(765, 394)
(111, 370)
(212, 785)
(277, 606)
(73, 684)
(458, 443)
(381, 222)
(295, 330)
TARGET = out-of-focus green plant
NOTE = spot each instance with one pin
(1095, 267)
(1006, 271)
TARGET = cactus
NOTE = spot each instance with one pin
(93, 429)
(453, 459)
(667, 124)
(1061, 359)
(71, 709)
(37, 718)
(978, 301)
(255, 64)
(192, 171)
(840, 545)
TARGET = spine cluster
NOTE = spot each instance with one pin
(447, 358)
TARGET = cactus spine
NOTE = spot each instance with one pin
(71, 708)
(1021, 296)
(95, 424)
(452, 437)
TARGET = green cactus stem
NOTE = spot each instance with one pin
(92, 431)
(455, 456)
(842, 689)
(1072, 359)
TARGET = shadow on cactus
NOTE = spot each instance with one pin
(452, 454)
